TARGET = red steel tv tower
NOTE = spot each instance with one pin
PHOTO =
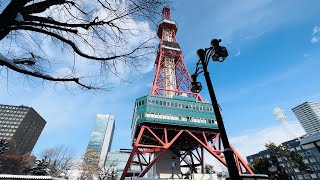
(171, 77)
(173, 126)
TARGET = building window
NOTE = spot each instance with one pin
(308, 153)
(312, 160)
(313, 175)
(316, 167)
(302, 154)
(306, 176)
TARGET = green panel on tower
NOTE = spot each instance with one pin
(178, 110)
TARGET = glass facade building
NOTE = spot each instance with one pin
(117, 161)
(101, 136)
(20, 125)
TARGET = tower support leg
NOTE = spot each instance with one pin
(205, 140)
(151, 149)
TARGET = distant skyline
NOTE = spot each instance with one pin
(273, 61)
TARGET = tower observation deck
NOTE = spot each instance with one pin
(172, 126)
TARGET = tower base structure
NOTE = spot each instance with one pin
(186, 145)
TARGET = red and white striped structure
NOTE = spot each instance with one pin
(171, 76)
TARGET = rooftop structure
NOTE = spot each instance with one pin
(20, 125)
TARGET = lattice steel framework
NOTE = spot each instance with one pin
(152, 140)
(171, 76)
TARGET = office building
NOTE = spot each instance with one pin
(308, 147)
(20, 125)
(308, 114)
(116, 161)
(101, 136)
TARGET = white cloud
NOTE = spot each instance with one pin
(316, 29)
(252, 141)
(314, 39)
(250, 19)
(279, 114)
(238, 53)
(315, 35)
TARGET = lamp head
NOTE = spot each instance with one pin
(218, 53)
(196, 87)
(215, 42)
(201, 53)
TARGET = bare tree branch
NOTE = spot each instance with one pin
(76, 48)
(43, 37)
(42, 6)
(59, 158)
(39, 25)
(12, 66)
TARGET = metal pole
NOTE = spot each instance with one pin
(229, 156)
(172, 171)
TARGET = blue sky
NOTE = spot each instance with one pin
(274, 61)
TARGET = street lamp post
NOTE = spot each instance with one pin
(218, 53)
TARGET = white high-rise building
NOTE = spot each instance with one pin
(101, 136)
(308, 114)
